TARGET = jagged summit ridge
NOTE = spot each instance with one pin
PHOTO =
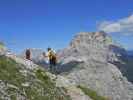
(87, 45)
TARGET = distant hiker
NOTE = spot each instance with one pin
(28, 54)
(45, 57)
(52, 59)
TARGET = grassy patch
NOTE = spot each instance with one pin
(91, 93)
(9, 71)
(51, 92)
(40, 87)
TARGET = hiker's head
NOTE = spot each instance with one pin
(49, 49)
(27, 49)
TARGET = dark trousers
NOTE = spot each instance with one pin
(28, 56)
(52, 63)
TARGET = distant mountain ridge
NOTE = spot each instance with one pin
(130, 52)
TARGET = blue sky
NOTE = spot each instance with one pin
(43, 23)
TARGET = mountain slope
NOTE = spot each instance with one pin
(23, 80)
(89, 61)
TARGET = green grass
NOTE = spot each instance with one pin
(1, 45)
(91, 93)
(41, 86)
(9, 71)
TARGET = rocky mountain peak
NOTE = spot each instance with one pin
(87, 37)
(88, 46)
(89, 60)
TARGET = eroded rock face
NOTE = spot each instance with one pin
(86, 46)
(96, 68)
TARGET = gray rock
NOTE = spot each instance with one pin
(97, 69)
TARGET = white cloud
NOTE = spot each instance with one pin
(123, 26)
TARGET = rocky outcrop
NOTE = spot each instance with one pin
(89, 60)
(21, 79)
